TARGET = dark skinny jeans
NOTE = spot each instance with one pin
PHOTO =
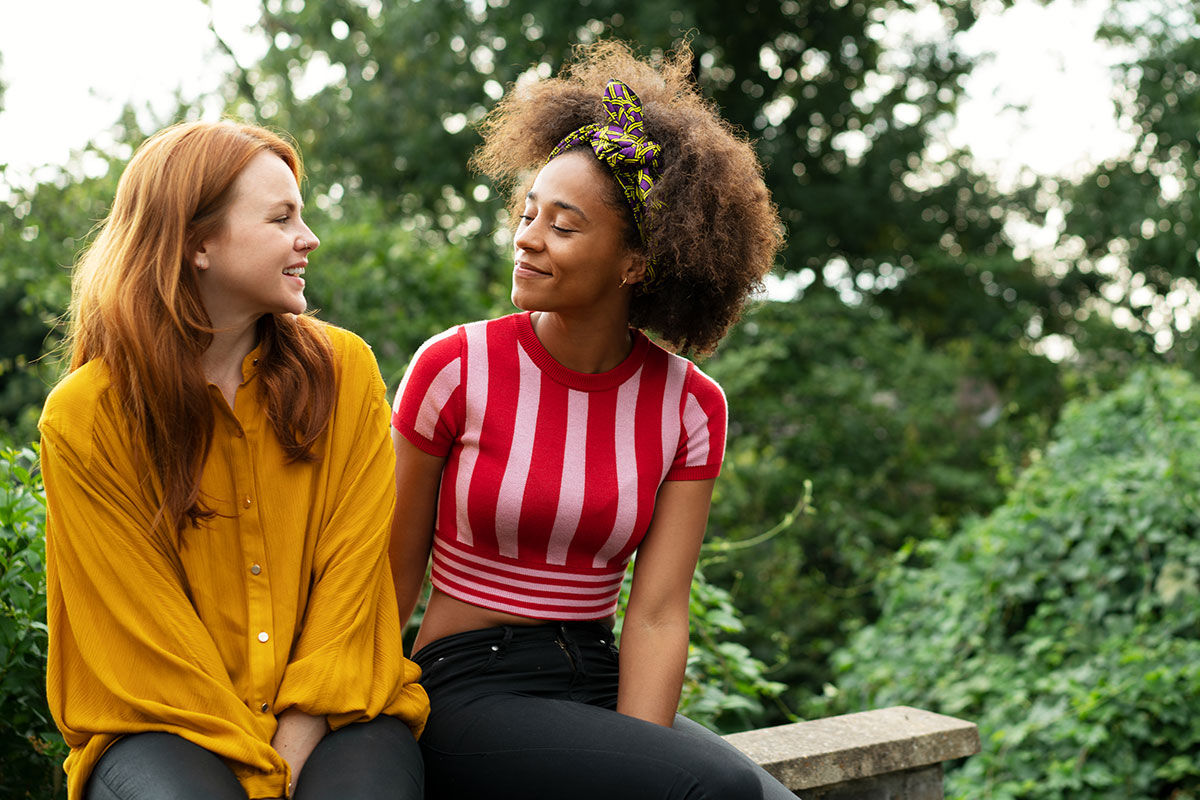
(367, 761)
(530, 713)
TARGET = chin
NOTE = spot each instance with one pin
(298, 307)
(521, 300)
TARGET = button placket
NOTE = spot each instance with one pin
(262, 655)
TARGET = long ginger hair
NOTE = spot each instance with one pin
(135, 305)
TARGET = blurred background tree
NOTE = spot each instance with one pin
(41, 231)
(1132, 226)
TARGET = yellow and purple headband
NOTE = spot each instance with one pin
(622, 144)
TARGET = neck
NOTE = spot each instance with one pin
(222, 361)
(583, 346)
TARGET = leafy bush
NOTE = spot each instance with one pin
(900, 439)
(724, 685)
(1066, 623)
(30, 748)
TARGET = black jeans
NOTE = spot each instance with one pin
(530, 712)
(370, 760)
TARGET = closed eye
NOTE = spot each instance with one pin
(527, 219)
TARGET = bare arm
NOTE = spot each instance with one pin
(417, 478)
(296, 737)
(654, 638)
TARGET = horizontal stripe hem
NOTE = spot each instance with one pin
(454, 551)
(524, 610)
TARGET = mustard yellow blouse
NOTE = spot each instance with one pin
(283, 600)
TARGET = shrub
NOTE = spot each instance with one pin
(724, 685)
(1067, 622)
(901, 439)
(31, 750)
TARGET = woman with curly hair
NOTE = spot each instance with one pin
(219, 486)
(537, 452)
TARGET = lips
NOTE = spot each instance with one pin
(524, 266)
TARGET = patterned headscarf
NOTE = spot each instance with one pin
(622, 145)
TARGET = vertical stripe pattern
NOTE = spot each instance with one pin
(627, 474)
(516, 470)
(476, 402)
(570, 492)
(551, 474)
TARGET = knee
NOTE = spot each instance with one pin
(157, 764)
(731, 781)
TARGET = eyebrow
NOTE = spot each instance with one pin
(288, 205)
(561, 204)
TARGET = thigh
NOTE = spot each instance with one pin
(367, 761)
(151, 766)
(513, 746)
(772, 789)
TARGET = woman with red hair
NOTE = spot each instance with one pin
(218, 477)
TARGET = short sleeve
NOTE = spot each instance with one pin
(703, 416)
(427, 409)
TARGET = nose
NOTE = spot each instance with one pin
(526, 238)
(307, 241)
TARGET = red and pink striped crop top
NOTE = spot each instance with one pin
(551, 474)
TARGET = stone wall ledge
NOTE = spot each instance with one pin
(887, 753)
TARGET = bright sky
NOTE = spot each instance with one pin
(70, 66)
(1042, 98)
(1042, 101)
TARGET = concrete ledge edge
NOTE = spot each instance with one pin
(832, 750)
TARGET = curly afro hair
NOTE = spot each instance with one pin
(711, 227)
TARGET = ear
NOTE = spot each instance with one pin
(200, 258)
(635, 270)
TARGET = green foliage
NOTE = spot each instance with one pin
(842, 123)
(1132, 227)
(899, 439)
(724, 685)
(42, 230)
(1067, 622)
(31, 750)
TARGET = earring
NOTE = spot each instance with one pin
(623, 280)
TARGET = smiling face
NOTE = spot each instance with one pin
(254, 264)
(570, 248)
